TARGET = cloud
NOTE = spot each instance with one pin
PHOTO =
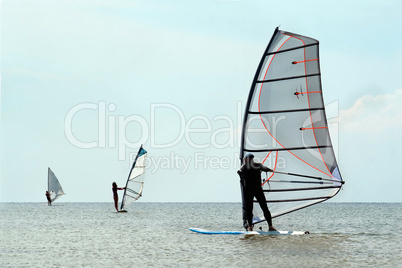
(374, 115)
(370, 148)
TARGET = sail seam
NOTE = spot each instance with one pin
(308, 100)
(276, 161)
(259, 99)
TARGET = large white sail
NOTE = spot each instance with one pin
(285, 126)
(135, 180)
(53, 186)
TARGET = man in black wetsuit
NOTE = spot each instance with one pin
(49, 199)
(250, 181)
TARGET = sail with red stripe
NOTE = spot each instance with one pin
(286, 129)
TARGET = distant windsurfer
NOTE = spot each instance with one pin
(250, 181)
(115, 195)
(49, 200)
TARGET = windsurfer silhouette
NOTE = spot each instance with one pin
(250, 182)
(49, 200)
(115, 195)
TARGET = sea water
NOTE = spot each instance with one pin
(157, 235)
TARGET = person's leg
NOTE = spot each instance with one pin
(249, 198)
(243, 201)
(116, 200)
(263, 204)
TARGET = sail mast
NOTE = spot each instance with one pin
(134, 183)
(250, 95)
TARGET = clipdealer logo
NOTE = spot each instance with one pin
(112, 128)
(198, 131)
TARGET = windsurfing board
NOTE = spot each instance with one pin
(121, 211)
(203, 231)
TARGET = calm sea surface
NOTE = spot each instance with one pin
(156, 234)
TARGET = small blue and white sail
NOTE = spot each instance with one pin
(135, 180)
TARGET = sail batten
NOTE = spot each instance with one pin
(286, 111)
(286, 128)
(290, 49)
(135, 181)
(287, 78)
(287, 149)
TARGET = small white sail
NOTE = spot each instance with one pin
(53, 186)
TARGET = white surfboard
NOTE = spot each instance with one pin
(203, 231)
(121, 211)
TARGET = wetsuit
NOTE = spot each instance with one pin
(49, 200)
(250, 183)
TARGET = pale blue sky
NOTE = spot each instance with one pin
(191, 60)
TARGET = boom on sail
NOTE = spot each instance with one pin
(285, 126)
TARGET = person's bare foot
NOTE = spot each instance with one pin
(271, 228)
(250, 229)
